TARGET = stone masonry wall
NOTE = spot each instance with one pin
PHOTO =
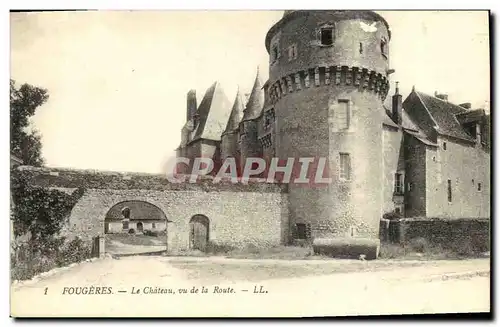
(393, 162)
(239, 214)
(448, 233)
(465, 166)
(236, 218)
(415, 176)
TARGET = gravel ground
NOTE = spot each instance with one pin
(153, 286)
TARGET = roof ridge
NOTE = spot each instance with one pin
(448, 102)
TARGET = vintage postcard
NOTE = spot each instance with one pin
(298, 163)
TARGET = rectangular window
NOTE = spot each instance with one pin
(316, 76)
(125, 225)
(326, 36)
(343, 115)
(444, 145)
(449, 191)
(398, 183)
(153, 225)
(345, 166)
(297, 81)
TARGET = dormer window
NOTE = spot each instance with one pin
(326, 35)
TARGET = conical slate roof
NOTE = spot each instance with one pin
(236, 113)
(213, 111)
(255, 101)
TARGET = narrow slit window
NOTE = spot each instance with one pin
(345, 166)
(274, 53)
(398, 181)
(383, 47)
(479, 186)
(292, 52)
(449, 191)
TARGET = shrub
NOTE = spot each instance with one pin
(392, 251)
(419, 244)
(392, 215)
(215, 248)
(36, 256)
(38, 210)
(148, 232)
(131, 231)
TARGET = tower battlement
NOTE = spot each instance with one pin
(357, 77)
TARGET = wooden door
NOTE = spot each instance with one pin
(140, 227)
(199, 233)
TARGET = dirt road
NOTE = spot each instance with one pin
(168, 287)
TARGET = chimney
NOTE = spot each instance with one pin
(466, 105)
(397, 106)
(441, 96)
(191, 104)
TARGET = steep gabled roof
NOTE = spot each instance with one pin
(213, 114)
(407, 122)
(255, 102)
(236, 114)
(444, 114)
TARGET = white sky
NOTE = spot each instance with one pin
(118, 80)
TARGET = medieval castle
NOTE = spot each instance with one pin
(328, 79)
(423, 157)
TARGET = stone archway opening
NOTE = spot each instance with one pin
(135, 227)
(199, 232)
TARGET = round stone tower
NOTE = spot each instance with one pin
(328, 79)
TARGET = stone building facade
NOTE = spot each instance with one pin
(326, 97)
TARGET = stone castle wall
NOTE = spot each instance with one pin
(239, 214)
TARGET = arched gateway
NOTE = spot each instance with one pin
(135, 226)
